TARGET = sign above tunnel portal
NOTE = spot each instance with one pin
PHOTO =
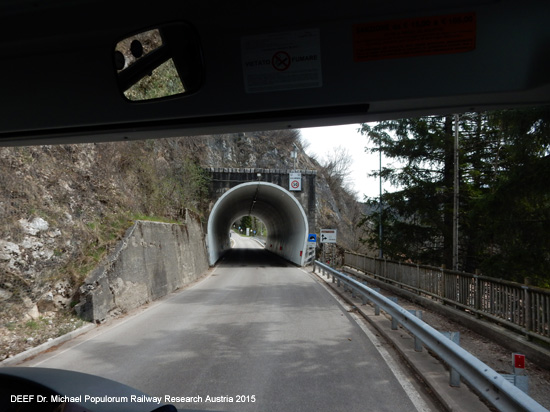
(295, 182)
(328, 235)
(312, 238)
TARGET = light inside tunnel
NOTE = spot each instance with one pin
(278, 209)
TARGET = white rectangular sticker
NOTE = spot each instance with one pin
(328, 235)
(295, 182)
(282, 61)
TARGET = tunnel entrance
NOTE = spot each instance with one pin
(283, 216)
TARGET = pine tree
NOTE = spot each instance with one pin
(516, 229)
(417, 219)
(504, 200)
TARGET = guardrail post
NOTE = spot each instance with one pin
(352, 290)
(376, 307)
(454, 379)
(394, 322)
(417, 341)
(363, 296)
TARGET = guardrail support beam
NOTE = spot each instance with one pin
(454, 379)
(417, 341)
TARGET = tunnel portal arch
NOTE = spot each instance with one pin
(284, 217)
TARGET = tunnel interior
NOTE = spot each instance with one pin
(278, 209)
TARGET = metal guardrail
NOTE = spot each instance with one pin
(487, 382)
(520, 307)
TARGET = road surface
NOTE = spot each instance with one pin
(256, 330)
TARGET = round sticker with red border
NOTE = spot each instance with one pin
(281, 61)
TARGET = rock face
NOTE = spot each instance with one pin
(36, 244)
(152, 260)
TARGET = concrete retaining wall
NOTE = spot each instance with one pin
(152, 260)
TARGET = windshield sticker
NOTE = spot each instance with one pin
(282, 61)
(394, 39)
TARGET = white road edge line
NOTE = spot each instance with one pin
(409, 389)
(397, 370)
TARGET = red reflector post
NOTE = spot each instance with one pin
(519, 361)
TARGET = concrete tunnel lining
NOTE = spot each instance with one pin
(277, 208)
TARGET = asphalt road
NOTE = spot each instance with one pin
(256, 330)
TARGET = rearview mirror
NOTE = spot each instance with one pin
(160, 62)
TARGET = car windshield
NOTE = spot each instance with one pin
(212, 206)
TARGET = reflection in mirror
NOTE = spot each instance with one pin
(149, 64)
(132, 48)
(161, 82)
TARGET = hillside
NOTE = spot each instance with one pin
(62, 208)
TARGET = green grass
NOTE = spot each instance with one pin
(101, 237)
(32, 325)
(11, 326)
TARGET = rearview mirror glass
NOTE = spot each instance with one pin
(160, 62)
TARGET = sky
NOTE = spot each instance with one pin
(323, 140)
